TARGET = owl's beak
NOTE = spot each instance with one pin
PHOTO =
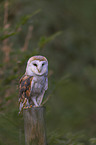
(39, 70)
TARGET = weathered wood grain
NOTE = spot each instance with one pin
(34, 126)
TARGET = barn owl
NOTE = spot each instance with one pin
(33, 83)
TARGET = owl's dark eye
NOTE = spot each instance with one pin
(35, 64)
(42, 64)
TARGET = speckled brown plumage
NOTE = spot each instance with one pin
(24, 89)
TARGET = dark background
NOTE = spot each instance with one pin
(64, 31)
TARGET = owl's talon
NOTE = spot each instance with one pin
(28, 107)
(25, 107)
(35, 106)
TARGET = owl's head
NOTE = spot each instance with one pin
(37, 65)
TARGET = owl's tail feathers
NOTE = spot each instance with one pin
(24, 105)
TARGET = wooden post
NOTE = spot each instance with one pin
(34, 126)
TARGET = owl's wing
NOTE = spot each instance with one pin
(46, 84)
(24, 91)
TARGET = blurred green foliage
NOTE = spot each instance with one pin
(64, 32)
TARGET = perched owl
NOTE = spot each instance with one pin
(33, 83)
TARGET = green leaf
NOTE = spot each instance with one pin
(25, 18)
(8, 35)
(93, 141)
(23, 21)
(44, 40)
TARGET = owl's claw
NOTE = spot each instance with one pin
(28, 107)
(35, 106)
(25, 107)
